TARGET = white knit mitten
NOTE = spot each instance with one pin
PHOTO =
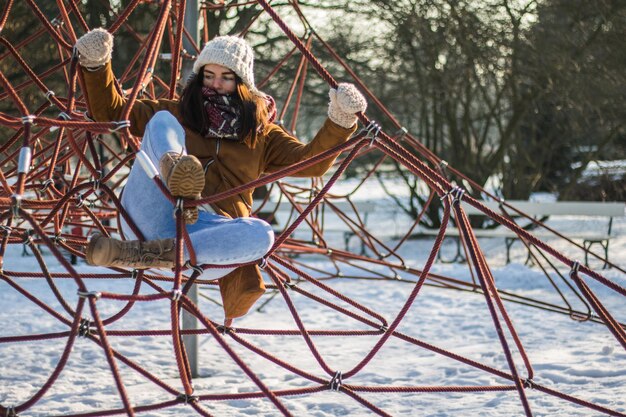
(94, 48)
(345, 102)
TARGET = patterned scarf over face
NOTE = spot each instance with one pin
(224, 114)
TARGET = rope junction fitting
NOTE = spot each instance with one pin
(84, 329)
(336, 381)
(89, 294)
(187, 399)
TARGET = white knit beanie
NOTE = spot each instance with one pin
(232, 52)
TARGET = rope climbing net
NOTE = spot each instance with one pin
(60, 175)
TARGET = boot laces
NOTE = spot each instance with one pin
(148, 255)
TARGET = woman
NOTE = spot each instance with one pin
(218, 136)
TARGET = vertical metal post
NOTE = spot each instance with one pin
(189, 321)
(192, 17)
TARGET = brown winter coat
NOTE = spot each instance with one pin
(233, 164)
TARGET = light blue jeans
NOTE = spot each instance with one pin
(216, 239)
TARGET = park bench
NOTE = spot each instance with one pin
(281, 214)
(535, 211)
(539, 211)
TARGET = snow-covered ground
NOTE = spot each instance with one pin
(582, 359)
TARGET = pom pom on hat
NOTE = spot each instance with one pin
(232, 52)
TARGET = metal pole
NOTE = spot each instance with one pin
(189, 321)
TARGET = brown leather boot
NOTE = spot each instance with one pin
(184, 177)
(106, 251)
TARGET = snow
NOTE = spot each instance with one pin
(581, 359)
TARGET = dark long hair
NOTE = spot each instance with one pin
(253, 109)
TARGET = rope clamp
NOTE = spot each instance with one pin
(372, 130)
(196, 268)
(529, 383)
(83, 328)
(58, 239)
(290, 285)
(87, 294)
(575, 269)
(263, 263)
(225, 329)
(28, 237)
(6, 229)
(17, 203)
(47, 183)
(56, 22)
(368, 129)
(456, 193)
(48, 95)
(29, 119)
(179, 206)
(177, 294)
(64, 116)
(384, 328)
(10, 412)
(120, 125)
(80, 201)
(336, 382)
(87, 117)
(96, 181)
(443, 163)
(187, 399)
(401, 133)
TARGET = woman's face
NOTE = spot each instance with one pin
(219, 78)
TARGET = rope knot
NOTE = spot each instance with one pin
(335, 383)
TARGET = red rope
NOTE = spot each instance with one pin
(56, 201)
